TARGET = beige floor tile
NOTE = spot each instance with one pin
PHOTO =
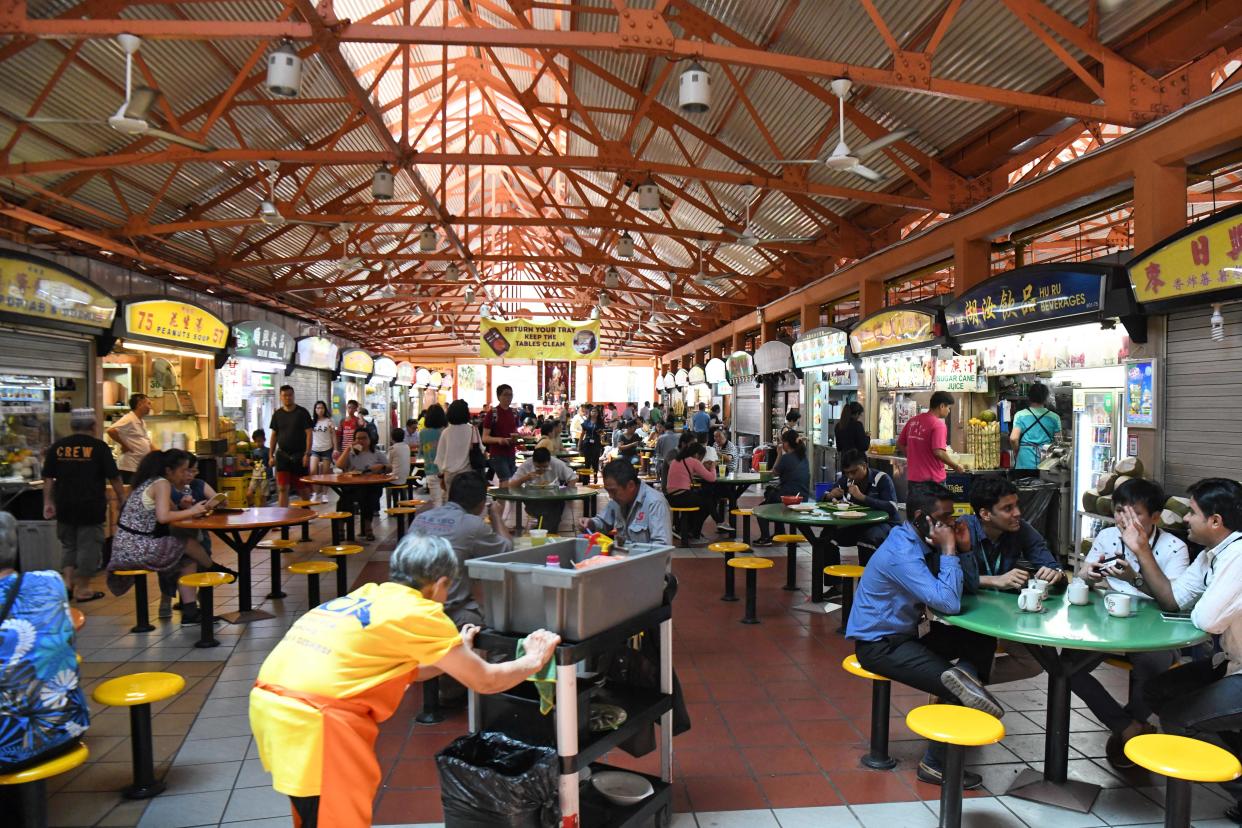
(74, 810)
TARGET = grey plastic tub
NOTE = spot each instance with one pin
(521, 594)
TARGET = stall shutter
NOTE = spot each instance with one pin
(747, 412)
(46, 356)
(1203, 395)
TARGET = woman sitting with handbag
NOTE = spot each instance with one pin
(681, 491)
(144, 539)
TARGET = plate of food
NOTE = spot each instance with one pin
(851, 515)
(803, 507)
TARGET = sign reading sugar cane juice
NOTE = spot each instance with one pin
(524, 339)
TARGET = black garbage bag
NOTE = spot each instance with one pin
(488, 780)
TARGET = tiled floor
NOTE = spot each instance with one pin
(777, 730)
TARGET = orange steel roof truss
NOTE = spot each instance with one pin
(519, 130)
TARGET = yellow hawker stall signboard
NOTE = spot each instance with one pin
(42, 289)
(524, 339)
(166, 320)
(1204, 258)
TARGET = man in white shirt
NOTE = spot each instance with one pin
(130, 432)
(542, 469)
(576, 421)
(1113, 565)
(1204, 698)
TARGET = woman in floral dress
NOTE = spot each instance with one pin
(42, 709)
(143, 539)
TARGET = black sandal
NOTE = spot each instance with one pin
(95, 596)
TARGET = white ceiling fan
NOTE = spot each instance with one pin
(269, 211)
(842, 158)
(133, 116)
(746, 236)
(707, 279)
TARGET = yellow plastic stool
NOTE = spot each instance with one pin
(728, 549)
(402, 514)
(301, 503)
(205, 583)
(791, 542)
(31, 785)
(877, 757)
(138, 691)
(680, 513)
(957, 727)
(746, 515)
(1181, 760)
(413, 503)
(340, 551)
(312, 570)
(141, 603)
(276, 548)
(752, 565)
(848, 573)
(340, 521)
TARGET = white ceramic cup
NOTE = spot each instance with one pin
(1078, 592)
(538, 537)
(1119, 604)
(1039, 584)
(1030, 600)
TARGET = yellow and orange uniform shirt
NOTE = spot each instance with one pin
(339, 671)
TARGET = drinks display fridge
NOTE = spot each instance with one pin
(1099, 440)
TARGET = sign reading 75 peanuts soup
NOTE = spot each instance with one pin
(167, 320)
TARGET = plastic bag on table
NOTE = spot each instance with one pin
(488, 780)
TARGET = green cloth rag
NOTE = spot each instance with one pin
(545, 681)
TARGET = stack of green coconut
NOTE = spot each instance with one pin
(1100, 501)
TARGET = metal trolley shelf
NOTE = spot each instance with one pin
(580, 803)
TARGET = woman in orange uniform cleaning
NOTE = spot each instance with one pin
(342, 669)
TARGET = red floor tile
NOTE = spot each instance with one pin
(809, 790)
(413, 773)
(719, 761)
(763, 734)
(749, 712)
(827, 732)
(779, 761)
(838, 755)
(403, 807)
(807, 710)
(859, 787)
(724, 793)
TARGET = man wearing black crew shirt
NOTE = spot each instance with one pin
(75, 471)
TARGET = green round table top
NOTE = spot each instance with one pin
(779, 513)
(739, 478)
(525, 493)
(1062, 624)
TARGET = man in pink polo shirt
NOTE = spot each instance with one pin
(925, 440)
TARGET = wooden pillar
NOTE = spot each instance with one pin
(810, 316)
(870, 297)
(1159, 203)
(737, 341)
(590, 389)
(972, 263)
(767, 331)
(1159, 211)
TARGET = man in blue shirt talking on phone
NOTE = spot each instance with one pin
(917, 569)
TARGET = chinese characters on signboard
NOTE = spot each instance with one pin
(956, 373)
(1206, 258)
(1023, 296)
(260, 340)
(171, 321)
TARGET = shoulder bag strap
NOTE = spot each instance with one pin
(8, 602)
